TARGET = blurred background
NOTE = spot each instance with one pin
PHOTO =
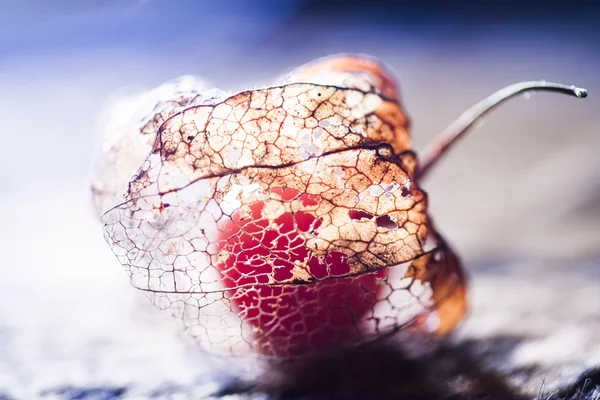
(519, 198)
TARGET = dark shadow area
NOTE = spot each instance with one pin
(479, 13)
(79, 393)
(587, 387)
(167, 391)
(384, 371)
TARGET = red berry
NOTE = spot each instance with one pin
(292, 318)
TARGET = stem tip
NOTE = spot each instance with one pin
(580, 92)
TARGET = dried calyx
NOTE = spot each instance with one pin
(288, 220)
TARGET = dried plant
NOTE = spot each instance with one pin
(288, 220)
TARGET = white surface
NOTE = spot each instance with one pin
(69, 316)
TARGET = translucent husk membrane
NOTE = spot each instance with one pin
(280, 222)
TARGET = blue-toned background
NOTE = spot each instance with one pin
(520, 194)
